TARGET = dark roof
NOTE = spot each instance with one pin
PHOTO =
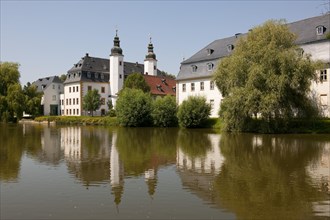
(43, 83)
(304, 29)
(160, 85)
(90, 69)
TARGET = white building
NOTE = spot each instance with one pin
(51, 87)
(107, 76)
(195, 76)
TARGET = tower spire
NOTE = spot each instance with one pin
(116, 45)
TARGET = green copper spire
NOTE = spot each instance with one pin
(116, 46)
(151, 54)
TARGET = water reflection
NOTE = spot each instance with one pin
(253, 176)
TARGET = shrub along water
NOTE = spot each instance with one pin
(164, 111)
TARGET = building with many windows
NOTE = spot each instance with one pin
(51, 87)
(195, 75)
(107, 76)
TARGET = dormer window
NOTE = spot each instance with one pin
(320, 30)
(96, 75)
(209, 51)
(194, 68)
(210, 66)
(230, 47)
(102, 76)
(89, 74)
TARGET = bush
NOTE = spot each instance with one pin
(164, 111)
(133, 108)
(193, 112)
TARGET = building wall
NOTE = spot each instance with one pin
(104, 95)
(318, 50)
(208, 93)
(52, 97)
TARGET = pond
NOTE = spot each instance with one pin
(85, 172)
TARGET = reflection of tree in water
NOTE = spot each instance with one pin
(264, 177)
(141, 149)
(194, 142)
(15, 139)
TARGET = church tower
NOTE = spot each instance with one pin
(116, 69)
(150, 63)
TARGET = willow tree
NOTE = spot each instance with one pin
(266, 77)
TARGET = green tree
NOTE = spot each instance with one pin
(164, 111)
(166, 74)
(32, 100)
(133, 108)
(62, 77)
(193, 112)
(11, 95)
(265, 76)
(136, 81)
(112, 112)
(92, 101)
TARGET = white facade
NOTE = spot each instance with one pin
(200, 87)
(51, 99)
(74, 94)
(150, 67)
(116, 76)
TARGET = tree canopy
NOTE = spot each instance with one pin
(92, 101)
(136, 81)
(266, 76)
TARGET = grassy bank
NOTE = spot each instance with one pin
(79, 120)
(297, 126)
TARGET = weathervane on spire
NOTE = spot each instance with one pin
(116, 30)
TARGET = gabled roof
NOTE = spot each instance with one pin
(90, 69)
(161, 85)
(304, 29)
(43, 83)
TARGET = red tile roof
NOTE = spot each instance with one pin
(160, 85)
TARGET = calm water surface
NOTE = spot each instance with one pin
(52, 172)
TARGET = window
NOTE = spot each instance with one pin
(323, 75)
(70, 102)
(324, 99)
(53, 86)
(183, 87)
(89, 88)
(69, 89)
(209, 51)
(102, 101)
(77, 111)
(154, 67)
(102, 112)
(77, 101)
(62, 102)
(74, 111)
(70, 112)
(62, 112)
(67, 102)
(119, 76)
(194, 68)
(102, 89)
(73, 89)
(202, 86)
(59, 86)
(320, 30)
(102, 76)
(96, 75)
(192, 87)
(89, 74)
(54, 98)
(212, 85)
(67, 112)
(230, 47)
(209, 66)
(120, 63)
(77, 88)
(212, 103)
(74, 101)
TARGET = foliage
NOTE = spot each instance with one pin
(133, 108)
(193, 112)
(32, 100)
(78, 120)
(112, 112)
(92, 101)
(265, 77)
(164, 111)
(11, 95)
(166, 74)
(62, 77)
(136, 81)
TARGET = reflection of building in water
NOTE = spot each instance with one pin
(116, 172)
(71, 142)
(320, 173)
(50, 144)
(150, 176)
(197, 173)
(86, 151)
(209, 163)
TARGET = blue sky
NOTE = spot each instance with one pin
(48, 37)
